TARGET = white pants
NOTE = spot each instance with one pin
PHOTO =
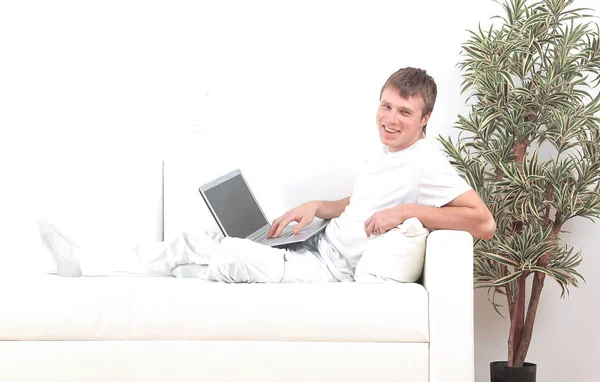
(211, 257)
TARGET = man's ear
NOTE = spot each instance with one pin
(425, 119)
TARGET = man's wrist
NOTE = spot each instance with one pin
(406, 211)
(316, 205)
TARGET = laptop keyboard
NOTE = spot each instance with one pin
(286, 233)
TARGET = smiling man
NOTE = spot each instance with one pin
(408, 179)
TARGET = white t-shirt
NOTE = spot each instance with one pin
(419, 174)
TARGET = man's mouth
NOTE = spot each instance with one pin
(391, 131)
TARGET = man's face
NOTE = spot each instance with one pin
(400, 120)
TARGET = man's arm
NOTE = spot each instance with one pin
(330, 210)
(466, 213)
(305, 213)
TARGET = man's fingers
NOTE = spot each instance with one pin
(303, 223)
(274, 227)
(284, 223)
(368, 222)
(370, 228)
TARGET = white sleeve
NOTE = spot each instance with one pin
(440, 184)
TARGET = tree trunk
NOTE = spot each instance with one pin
(536, 292)
(517, 313)
(520, 150)
(516, 322)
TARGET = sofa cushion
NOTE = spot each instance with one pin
(396, 256)
(166, 308)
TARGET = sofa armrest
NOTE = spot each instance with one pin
(448, 278)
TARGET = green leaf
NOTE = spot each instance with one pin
(499, 258)
(507, 279)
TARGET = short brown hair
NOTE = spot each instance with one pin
(412, 82)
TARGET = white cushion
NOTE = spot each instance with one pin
(91, 200)
(167, 308)
(396, 256)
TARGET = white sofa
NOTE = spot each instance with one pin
(164, 328)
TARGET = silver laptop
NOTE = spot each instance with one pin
(238, 214)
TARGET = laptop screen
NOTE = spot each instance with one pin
(235, 207)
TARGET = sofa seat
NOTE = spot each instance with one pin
(165, 308)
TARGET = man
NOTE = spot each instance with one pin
(409, 179)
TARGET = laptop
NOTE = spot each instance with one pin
(238, 214)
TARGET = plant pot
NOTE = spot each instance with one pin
(501, 372)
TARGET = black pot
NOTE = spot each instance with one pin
(501, 372)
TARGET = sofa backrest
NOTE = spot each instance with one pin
(92, 201)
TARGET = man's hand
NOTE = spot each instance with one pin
(303, 215)
(384, 220)
(467, 212)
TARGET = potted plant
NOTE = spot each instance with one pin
(530, 147)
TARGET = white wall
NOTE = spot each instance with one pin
(272, 87)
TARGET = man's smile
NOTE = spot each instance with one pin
(391, 131)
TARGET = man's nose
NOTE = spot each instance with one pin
(392, 117)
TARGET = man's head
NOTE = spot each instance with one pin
(406, 103)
